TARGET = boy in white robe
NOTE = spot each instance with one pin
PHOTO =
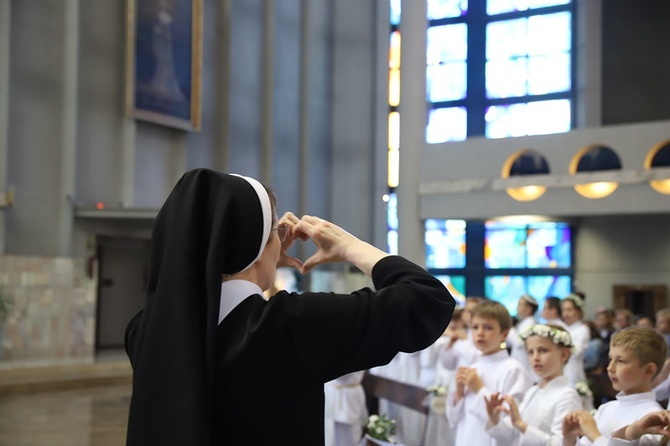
(494, 371)
(636, 356)
(460, 351)
(538, 420)
(655, 423)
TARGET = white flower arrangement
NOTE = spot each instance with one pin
(437, 398)
(437, 390)
(583, 389)
(381, 427)
(558, 337)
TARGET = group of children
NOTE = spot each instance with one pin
(495, 398)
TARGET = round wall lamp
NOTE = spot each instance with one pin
(525, 162)
(659, 156)
(595, 158)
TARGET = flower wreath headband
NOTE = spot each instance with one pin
(558, 337)
(576, 299)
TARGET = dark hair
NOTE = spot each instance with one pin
(554, 303)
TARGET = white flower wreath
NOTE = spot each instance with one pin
(576, 299)
(558, 337)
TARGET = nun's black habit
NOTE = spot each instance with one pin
(256, 378)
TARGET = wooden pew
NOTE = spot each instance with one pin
(407, 395)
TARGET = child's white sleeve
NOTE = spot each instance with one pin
(448, 356)
(454, 412)
(645, 440)
(569, 402)
(504, 432)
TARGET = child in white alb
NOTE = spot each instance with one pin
(345, 410)
(636, 355)
(493, 372)
(538, 420)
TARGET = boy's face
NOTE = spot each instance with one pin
(663, 325)
(486, 334)
(627, 373)
(621, 320)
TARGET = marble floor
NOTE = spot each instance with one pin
(94, 416)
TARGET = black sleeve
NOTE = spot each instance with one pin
(131, 336)
(339, 333)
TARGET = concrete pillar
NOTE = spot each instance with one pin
(5, 32)
(412, 128)
(70, 69)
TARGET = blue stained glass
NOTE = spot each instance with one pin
(528, 56)
(533, 118)
(442, 9)
(445, 243)
(548, 246)
(494, 7)
(536, 245)
(392, 224)
(392, 212)
(456, 285)
(541, 287)
(508, 289)
(549, 33)
(446, 82)
(447, 124)
(395, 11)
(507, 78)
(507, 39)
(446, 43)
(549, 74)
(505, 247)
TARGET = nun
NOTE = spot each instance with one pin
(215, 362)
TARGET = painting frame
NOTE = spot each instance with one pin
(164, 62)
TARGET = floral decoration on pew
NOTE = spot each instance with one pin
(381, 427)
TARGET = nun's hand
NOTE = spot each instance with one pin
(290, 220)
(334, 244)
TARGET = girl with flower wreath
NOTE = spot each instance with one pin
(572, 310)
(538, 420)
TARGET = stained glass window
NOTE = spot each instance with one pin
(447, 124)
(446, 59)
(528, 56)
(442, 9)
(445, 243)
(502, 6)
(508, 289)
(533, 118)
(455, 285)
(506, 75)
(536, 245)
(392, 223)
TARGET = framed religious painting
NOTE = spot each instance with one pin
(164, 62)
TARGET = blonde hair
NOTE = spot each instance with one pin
(493, 310)
(645, 343)
(663, 313)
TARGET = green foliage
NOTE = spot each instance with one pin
(381, 427)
